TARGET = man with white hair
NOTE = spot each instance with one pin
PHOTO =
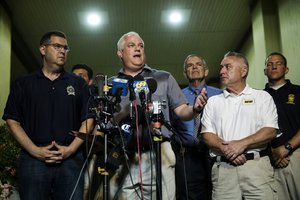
(139, 180)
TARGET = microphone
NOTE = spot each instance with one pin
(144, 89)
(149, 85)
(119, 85)
(131, 86)
(141, 89)
(126, 129)
(152, 84)
(100, 78)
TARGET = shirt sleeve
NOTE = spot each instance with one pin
(269, 111)
(14, 103)
(207, 122)
(175, 95)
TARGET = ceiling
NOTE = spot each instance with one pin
(214, 27)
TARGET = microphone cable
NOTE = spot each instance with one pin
(151, 153)
(88, 155)
(126, 165)
(138, 146)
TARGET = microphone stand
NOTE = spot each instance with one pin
(157, 121)
(105, 126)
(157, 138)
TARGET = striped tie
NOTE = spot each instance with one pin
(197, 118)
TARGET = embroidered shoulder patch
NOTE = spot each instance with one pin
(291, 99)
(70, 90)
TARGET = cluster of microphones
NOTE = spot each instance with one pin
(107, 95)
(140, 87)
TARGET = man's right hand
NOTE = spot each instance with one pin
(48, 153)
(279, 157)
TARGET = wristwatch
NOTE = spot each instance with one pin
(289, 147)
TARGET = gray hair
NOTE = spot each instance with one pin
(238, 55)
(194, 55)
(120, 44)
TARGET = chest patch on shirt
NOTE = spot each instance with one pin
(291, 99)
(70, 90)
(248, 101)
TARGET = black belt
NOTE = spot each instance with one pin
(249, 156)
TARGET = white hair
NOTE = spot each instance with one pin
(120, 44)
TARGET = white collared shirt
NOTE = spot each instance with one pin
(233, 117)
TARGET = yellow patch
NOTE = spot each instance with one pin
(248, 101)
(291, 99)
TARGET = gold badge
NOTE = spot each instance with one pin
(70, 90)
(291, 99)
(248, 101)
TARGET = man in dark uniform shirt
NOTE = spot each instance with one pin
(41, 110)
(285, 148)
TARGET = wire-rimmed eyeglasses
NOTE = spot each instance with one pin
(59, 47)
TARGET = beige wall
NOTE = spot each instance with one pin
(5, 55)
(274, 33)
(289, 17)
(255, 46)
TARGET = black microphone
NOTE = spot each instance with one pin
(100, 78)
(152, 84)
(133, 84)
(131, 90)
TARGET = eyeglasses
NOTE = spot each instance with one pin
(59, 47)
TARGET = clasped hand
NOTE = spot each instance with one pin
(53, 153)
(280, 157)
(234, 152)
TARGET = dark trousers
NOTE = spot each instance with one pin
(39, 181)
(193, 174)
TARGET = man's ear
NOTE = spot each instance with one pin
(244, 72)
(119, 53)
(206, 72)
(42, 49)
(286, 70)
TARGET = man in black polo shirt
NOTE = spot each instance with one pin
(41, 110)
(285, 148)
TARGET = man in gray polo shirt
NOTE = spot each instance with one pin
(139, 181)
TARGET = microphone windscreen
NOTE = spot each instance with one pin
(152, 84)
(118, 83)
(138, 78)
(100, 78)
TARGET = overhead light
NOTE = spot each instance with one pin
(93, 19)
(175, 17)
